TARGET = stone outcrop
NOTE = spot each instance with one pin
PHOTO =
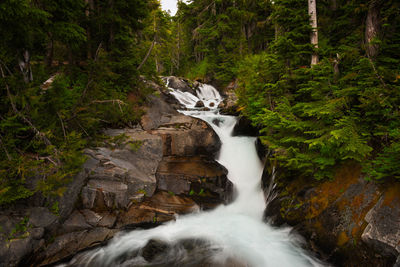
(383, 229)
(348, 221)
(196, 176)
(138, 178)
(124, 172)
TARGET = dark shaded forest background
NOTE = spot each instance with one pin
(343, 109)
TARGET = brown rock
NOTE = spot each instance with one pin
(67, 245)
(198, 176)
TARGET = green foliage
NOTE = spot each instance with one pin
(19, 229)
(316, 118)
(94, 48)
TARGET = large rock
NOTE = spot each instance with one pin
(383, 229)
(70, 197)
(19, 238)
(199, 177)
(161, 207)
(185, 136)
(123, 173)
(158, 112)
(67, 245)
(333, 216)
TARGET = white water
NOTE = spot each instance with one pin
(205, 93)
(235, 231)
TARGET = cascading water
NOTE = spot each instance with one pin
(231, 235)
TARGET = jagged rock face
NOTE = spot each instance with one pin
(123, 173)
(159, 169)
(196, 176)
(383, 229)
(345, 220)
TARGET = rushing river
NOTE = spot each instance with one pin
(230, 235)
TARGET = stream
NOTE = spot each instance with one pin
(229, 235)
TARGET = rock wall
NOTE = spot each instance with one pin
(140, 177)
(347, 221)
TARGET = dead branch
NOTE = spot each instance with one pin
(38, 133)
(5, 149)
(49, 159)
(147, 55)
(62, 125)
(376, 72)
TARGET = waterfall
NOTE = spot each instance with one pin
(229, 235)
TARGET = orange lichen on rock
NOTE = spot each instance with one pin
(327, 192)
(392, 194)
(342, 239)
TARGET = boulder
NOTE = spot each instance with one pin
(341, 218)
(229, 105)
(158, 112)
(67, 245)
(75, 222)
(198, 176)
(124, 173)
(185, 136)
(383, 229)
(161, 207)
(199, 104)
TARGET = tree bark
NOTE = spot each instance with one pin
(25, 67)
(312, 11)
(372, 28)
(147, 55)
(49, 51)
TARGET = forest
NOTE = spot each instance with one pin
(322, 86)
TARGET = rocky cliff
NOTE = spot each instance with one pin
(347, 221)
(140, 177)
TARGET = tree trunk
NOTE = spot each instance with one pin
(25, 67)
(112, 30)
(49, 51)
(312, 11)
(88, 12)
(372, 28)
(179, 47)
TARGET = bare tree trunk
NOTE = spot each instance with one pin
(179, 46)
(112, 30)
(25, 67)
(49, 51)
(147, 55)
(312, 11)
(89, 10)
(372, 28)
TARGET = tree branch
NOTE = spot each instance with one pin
(62, 125)
(5, 149)
(147, 55)
(38, 133)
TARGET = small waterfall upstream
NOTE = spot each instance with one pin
(230, 235)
